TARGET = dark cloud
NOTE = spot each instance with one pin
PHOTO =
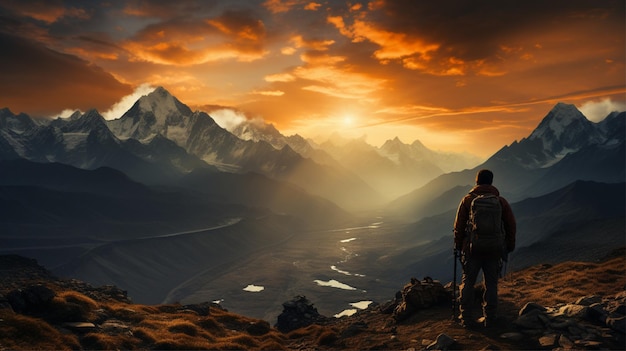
(40, 81)
(475, 29)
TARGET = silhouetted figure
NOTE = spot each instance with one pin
(484, 234)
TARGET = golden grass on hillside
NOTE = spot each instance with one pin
(19, 332)
(182, 342)
(565, 282)
(144, 334)
(99, 341)
(184, 327)
(70, 306)
(170, 326)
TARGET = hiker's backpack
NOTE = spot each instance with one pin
(485, 227)
(418, 295)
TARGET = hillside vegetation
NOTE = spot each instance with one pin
(69, 314)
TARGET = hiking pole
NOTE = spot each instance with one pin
(456, 255)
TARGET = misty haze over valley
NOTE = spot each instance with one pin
(166, 204)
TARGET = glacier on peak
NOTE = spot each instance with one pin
(557, 121)
(564, 129)
(150, 115)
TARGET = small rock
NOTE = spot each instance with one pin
(4, 304)
(596, 313)
(443, 342)
(617, 323)
(574, 330)
(258, 328)
(530, 320)
(512, 336)
(588, 344)
(561, 325)
(548, 340)
(565, 342)
(574, 311)
(80, 326)
(589, 300)
(531, 306)
(114, 326)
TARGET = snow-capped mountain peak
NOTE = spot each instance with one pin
(256, 130)
(16, 123)
(77, 123)
(150, 115)
(565, 129)
(164, 106)
(557, 121)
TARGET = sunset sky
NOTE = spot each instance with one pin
(457, 75)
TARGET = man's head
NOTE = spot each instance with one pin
(484, 177)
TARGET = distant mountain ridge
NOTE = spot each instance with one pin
(565, 147)
(159, 139)
(137, 144)
(392, 169)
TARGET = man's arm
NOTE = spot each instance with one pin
(460, 224)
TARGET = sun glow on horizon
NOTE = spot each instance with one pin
(348, 121)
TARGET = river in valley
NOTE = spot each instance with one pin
(340, 271)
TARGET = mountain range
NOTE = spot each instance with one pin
(565, 147)
(165, 203)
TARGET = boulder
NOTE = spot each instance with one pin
(32, 299)
(530, 320)
(530, 306)
(574, 311)
(443, 342)
(297, 313)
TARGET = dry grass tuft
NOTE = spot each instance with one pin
(211, 325)
(312, 329)
(19, 332)
(182, 342)
(327, 338)
(245, 341)
(183, 327)
(71, 306)
(272, 345)
(565, 282)
(144, 334)
(130, 313)
(79, 299)
(225, 345)
(98, 341)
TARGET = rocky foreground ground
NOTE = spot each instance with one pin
(571, 305)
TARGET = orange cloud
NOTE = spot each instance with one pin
(336, 82)
(312, 6)
(233, 35)
(393, 45)
(313, 44)
(45, 11)
(270, 92)
(278, 6)
(280, 77)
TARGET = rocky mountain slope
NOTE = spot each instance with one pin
(565, 147)
(568, 305)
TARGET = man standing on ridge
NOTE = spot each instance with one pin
(482, 246)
